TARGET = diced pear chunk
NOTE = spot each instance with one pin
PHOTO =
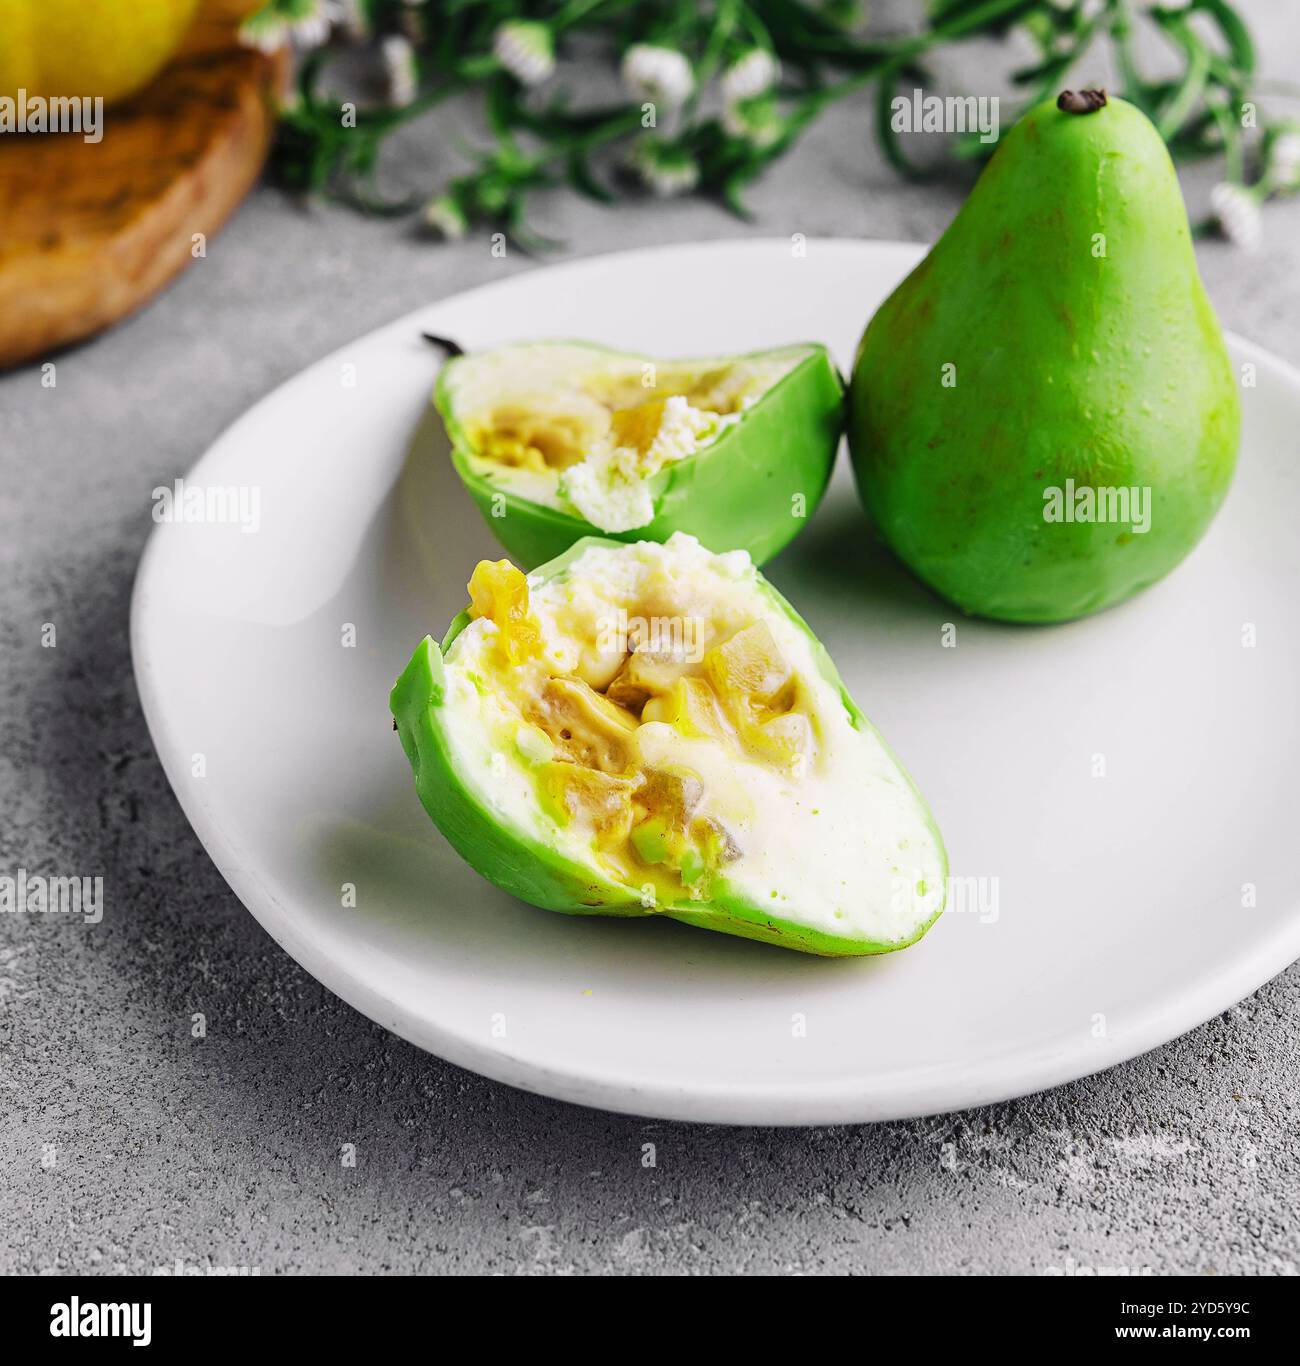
(673, 833)
(674, 795)
(585, 727)
(499, 592)
(646, 673)
(692, 867)
(690, 707)
(714, 841)
(786, 739)
(750, 665)
(598, 668)
(601, 801)
(650, 840)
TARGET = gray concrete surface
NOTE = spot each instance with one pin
(125, 1144)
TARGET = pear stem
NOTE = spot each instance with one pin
(452, 348)
(1081, 101)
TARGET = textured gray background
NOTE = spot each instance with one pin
(226, 1151)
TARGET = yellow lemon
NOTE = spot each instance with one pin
(72, 48)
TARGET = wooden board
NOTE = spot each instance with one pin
(90, 231)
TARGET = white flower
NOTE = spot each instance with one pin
(664, 169)
(309, 22)
(753, 74)
(443, 215)
(305, 22)
(1284, 160)
(659, 74)
(265, 31)
(400, 70)
(526, 50)
(1238, 213)
(755, 120)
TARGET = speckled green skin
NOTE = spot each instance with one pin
(1110, 371)
(738, 493)
(536, 873)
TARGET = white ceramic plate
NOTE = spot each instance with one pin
(1113, 916)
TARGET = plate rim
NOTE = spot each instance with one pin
(754, 1102)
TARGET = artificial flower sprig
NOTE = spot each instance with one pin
(714, 92)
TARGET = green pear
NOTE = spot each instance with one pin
(1043, 416)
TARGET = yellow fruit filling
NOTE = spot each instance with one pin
(631, 412)
(609, 741)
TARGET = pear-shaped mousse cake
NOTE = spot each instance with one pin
(648, 728)
(1044, 417)
(560, 440)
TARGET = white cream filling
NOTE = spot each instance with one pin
(844, 846)
(611, 487)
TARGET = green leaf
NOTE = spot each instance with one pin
(584, 181)
(887, 135)
(1241, 49)
(1187, 94)
(549, 136)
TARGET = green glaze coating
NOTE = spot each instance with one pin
(751, 489)
(521, 865)
(1065, 294)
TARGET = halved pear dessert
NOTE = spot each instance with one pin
(560, 440)
(650, 729)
